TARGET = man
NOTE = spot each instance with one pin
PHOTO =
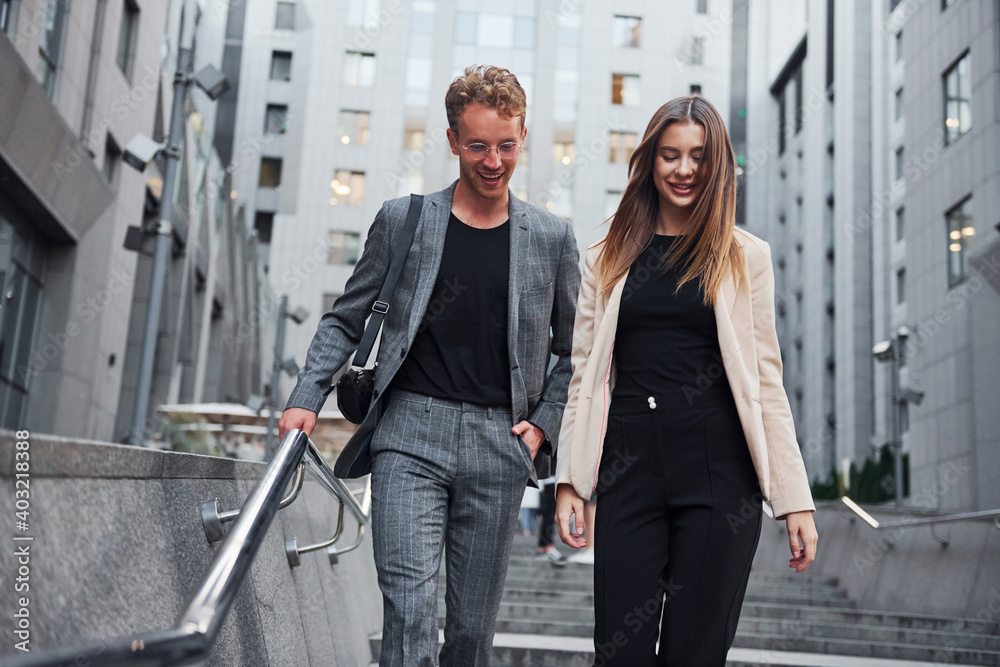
(464, 411)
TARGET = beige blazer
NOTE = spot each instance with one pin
(745, 316)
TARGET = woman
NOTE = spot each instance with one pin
(676, 414)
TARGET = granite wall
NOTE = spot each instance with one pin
(119, 546)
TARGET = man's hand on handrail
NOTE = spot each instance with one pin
(300, 418)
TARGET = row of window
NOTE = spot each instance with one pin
(50, 45)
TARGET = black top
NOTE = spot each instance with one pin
(667, 344)
(460, 351)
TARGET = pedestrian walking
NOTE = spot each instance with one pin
(676, 411)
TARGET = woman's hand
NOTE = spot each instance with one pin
(802, 538)
(568, 503)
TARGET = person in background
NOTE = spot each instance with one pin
(547, 526)
(676, 412)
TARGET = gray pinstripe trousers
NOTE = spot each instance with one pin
(449, 473)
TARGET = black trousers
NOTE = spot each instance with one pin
(678, 519)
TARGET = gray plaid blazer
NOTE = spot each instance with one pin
(544, 284)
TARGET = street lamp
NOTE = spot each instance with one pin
(278, 364)
(894, 352)
(142, 150)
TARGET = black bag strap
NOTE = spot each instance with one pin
(381, 305)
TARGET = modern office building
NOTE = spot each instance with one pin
(341, 107)
(872, 169)
(80, 80)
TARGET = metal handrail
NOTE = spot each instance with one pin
(925, 521)
(192, 637)
(212, 518)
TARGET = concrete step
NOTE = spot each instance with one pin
(862, 617)
(751, 625)
(530, 650)
(867, 649)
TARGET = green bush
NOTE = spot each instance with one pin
(874, 483)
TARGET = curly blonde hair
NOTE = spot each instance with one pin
(493, 87)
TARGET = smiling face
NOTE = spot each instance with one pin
(675, 167)
(486, 176)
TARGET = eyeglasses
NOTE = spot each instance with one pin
(505, 150)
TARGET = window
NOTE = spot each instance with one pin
(626, 31)
(50, 46)
(702, 7)
(276, 119)
(343, 247)
(284, 16)
(798, 100)
(563, 152)
(281, 66)
(901, 286)
(495, 30)
(126, 37)
(6, 15)
(900, 228)
(359, 69)
(112, 158)
(625, 89)
(270, 172)
(899, 163)
(960, 231)
(957, 100)
(362, 13)
(899, 46)
(622, 146)
(695, 89)
(694, 51)
(263, 224)
(353, 128)
(898, 104)
(348, 188)
(830, 42)
(782, 122)
(413, 135)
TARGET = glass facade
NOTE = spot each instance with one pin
(22, 267)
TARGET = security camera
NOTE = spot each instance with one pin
(883, 350)
(255, 403)
(141, 151)
(299, 315)
(911, 395)
(212, 81)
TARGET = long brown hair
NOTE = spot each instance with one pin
(709, 247)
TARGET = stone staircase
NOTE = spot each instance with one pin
(547, 619)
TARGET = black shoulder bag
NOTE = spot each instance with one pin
(356, 387)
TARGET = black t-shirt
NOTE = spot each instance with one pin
(460, 351)
(667, 345)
